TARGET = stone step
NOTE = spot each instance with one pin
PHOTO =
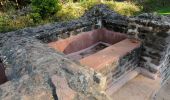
(113, 87)
(110, 55)
(147, 73)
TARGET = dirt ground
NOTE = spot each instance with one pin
(139, 88)
(164, 92)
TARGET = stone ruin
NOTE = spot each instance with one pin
(85, 59)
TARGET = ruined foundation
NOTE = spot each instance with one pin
(105, 51)
(84, 59)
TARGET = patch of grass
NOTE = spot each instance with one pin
(159, 6)
(164, 10)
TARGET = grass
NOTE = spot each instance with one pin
(161, 7)
(164, 10)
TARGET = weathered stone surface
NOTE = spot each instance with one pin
(153, 31)
(34, 57)
(29, 87)
(62, 89)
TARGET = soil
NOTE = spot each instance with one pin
(139, 88)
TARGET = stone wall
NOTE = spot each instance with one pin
(153, 30)
(126, 64)
(165, 64)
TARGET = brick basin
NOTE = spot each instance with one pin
(99, 49)
(86, 39)
(109, 55)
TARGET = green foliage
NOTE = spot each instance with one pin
(8, 24)
(36, 17)
(70, 11)
(164, 10)
(159, 6)
(6, 5)
(123, 8)
(3, 23)
(89, 3)
(45, 8)
(42, 9)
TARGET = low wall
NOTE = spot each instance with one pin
(153, 31)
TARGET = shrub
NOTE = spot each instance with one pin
(3, 23)
(155, 5)
(45, 7)
(36, 17)
(126, 8)
(9, 24)
(123, 8)
(90, 3)
(21, 22)
(6, 5)
(70, 11)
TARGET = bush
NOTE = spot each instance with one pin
(9, 24)
(3, 23)
(45, 8)
(123, 8)
(158, 6)
(21, 22)
(90, 3)
(70, 11)
(36, 17)
(6, 5)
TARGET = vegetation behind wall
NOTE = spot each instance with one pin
(25, 13)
